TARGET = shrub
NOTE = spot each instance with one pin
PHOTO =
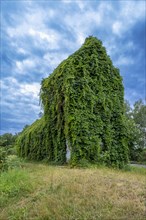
(3, 156)
(8, 161)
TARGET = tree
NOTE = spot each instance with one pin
(136, 128)
(6, 139)
(132, 130)
(139, 117)
(7, 146)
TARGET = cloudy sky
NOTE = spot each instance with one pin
(37, 35)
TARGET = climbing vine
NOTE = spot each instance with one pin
(83, 102)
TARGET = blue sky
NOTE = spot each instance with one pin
(37, 35)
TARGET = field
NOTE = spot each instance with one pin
(41, 192)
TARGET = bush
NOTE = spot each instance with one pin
(8, 161)
(11, 151)
(142, 156)
(84, 163)
(13, 161)
(3, 156)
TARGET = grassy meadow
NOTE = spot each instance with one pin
(37, 191)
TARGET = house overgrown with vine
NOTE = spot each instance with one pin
(83, 101)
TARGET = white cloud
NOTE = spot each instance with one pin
(83, 22)
(132, 95)
(20, 101)
(21, 51)
(81, 38)
(12, 89)
(66, 1)
(30, 90)
(47, 38)
(130, 13)
(33, 24)
(44, 38)
(133, 10)
(105, 16)
(23, 67)
(117, 27)
(82, 25)
(54, 59)
(19, 66)
(123, 60)
(81, 4)
(130, 45)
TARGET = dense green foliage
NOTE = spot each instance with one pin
(3, 156)
(14, 184)
(83, 102)
(33, 142)
(7, 140)
(7, 147)
(136, 130)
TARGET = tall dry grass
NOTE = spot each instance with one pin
(60, 193)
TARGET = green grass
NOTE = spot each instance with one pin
(42, 192)
(13, 185)
(139, 170)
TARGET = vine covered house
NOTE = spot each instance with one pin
(83, 101)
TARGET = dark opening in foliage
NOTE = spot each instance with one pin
(83, 102)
